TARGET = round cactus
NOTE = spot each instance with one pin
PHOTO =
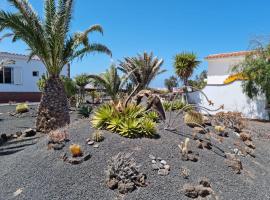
(98, 136)
(193, 118)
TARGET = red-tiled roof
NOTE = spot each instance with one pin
(17, 54)
(231, 54)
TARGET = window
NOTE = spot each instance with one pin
(6, 75)
(35, 73)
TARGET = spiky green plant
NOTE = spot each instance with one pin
(173, 105)
(148, 127)
(103, 116)
(152, 115)
(85, 111)
(184, 64)
(97, 136)
(110, 81)
(130, 128)
(114, 123)
(130, 122)
(48, 38)
(141, 71)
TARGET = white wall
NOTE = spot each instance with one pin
(220, 68)
(233, 98)
(23, 70)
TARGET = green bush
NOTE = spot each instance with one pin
(130, 122)
(22, 108)
(173, 105)
(85, 111)
(152, 115)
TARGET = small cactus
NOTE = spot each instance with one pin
(193, 118)
(75, 150)
(98, 136)
(22, 108)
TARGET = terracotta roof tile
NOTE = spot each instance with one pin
(231, 54)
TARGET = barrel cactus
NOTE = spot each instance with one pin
(98, 136)
(193, 118)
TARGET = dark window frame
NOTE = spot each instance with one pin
(35, 73)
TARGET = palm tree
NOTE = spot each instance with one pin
(49, 39)
(141, 70)
(81, 81)
(111, 82)
(171, 82)
(184, 64)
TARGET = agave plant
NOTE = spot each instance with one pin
(102, 116)
(141, 70)
(130, 122)
(48, 38)
(85, 111)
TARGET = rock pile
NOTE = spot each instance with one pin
(203, 189)
(160, 165)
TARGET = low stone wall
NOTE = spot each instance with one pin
(6, 97)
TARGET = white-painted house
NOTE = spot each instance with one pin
(18, 81)
(230, 94)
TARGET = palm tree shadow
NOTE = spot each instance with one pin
(11, 150)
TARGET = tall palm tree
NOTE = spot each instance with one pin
(184, 64)
(49, 39)
(111, 82)
(142, 69)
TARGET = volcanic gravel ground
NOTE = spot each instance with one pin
(40, 173)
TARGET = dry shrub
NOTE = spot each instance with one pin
(232, 120)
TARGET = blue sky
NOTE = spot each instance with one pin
(165, 27)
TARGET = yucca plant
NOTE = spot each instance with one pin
(184, 64)
(48, 38)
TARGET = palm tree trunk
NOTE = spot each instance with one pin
(53, 111)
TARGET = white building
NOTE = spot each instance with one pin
(18, 81)
(229, 93)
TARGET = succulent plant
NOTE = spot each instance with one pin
(123, 173)
(85, 111)
(58, 136)
(75, 150)
(22, 108)
(220, 128)
(97, 136)
(193, 118)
